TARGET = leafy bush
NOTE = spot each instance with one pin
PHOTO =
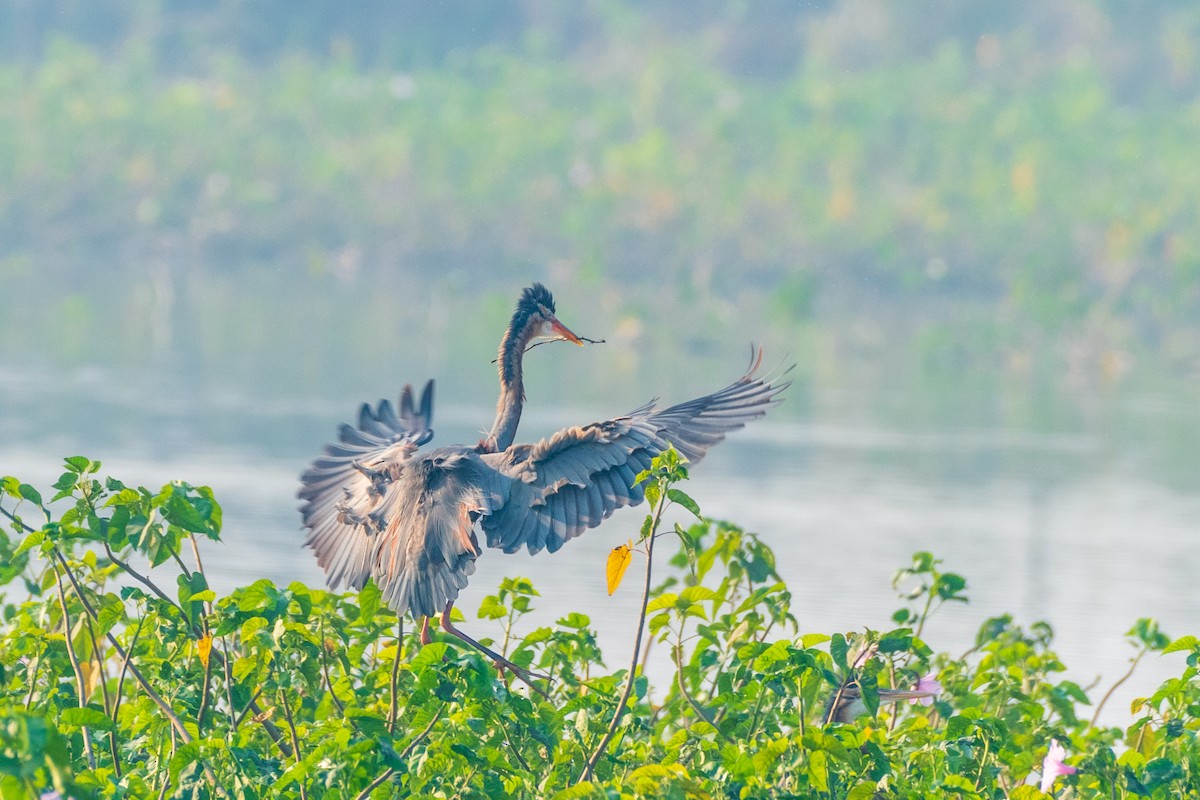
(112, 686)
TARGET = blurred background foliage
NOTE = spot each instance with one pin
(926, 200)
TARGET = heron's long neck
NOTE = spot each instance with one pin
(512, 389)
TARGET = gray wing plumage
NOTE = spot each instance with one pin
(572, 481)
(346, 486)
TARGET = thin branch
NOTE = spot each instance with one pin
(390, 771)
(112, 735)
(325, 671)
(637, 648)
(206, 691)
(228, 683)
(552, 341)
(187, 573)
(17, 520)
(196, 553)
(246, 710)
(62, 599)
(393, 703)
(133, 573)
(700, 711)
(96, 652)
(1114, 687)
(287, 712)
(37, 667)
(125, 667)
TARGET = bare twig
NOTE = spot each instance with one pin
(637, 648)
(228, 682)
(139, 577)
(287, 713)
(247, 709)
(552, 341)
(700, 711)
(125, 667)
(62, 599)
(1116, 685)
(325, 671)
(112, 735)
(394, 701)
(405, 753)
(196, 553)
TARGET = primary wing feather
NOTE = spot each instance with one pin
(579, 476)
(344, 487)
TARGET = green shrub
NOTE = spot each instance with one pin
(112, 685)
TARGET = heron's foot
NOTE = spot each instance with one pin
(525, 676)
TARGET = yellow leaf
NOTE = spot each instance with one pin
(204, 647)
(618, 562)
(91, 677)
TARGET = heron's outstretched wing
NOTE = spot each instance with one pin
(342, 488)
(578, 477)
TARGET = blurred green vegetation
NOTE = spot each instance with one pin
(908, 200)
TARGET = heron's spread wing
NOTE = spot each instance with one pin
(575, 479)
(343, 488)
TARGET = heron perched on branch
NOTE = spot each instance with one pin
(377, 507)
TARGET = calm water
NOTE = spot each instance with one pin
(1070, 528)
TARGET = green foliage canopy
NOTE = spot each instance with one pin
(111, 686)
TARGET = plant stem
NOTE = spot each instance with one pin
(637, 645)
(287, 713)
(133, 573)
(393, 702)
(176, 723)
(62, 599)
(1114, 687)
(405, 753)
(700, 711)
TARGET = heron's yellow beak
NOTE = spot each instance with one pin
(564, 332)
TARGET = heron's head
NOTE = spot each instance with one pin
(535, 319)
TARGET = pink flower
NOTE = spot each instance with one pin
(1053, 766)
(929, 688)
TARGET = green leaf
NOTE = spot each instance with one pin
(575, 621)
(492, 608)
(29, 542)
(838, 648)
(79, 464)
(29, 493)
(959, 785)
(1188, 642)
(430, 654)
(1027, 793)
(779, 651)
(679, 497)
(86, 718)
(180, 511)
(818, 770)
(863, 791)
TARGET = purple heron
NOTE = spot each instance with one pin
(377, 507)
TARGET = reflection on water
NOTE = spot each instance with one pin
(1060, 527)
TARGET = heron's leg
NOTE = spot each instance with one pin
(426, 638)
(500, 661)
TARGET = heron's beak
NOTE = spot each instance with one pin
(564, 332)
